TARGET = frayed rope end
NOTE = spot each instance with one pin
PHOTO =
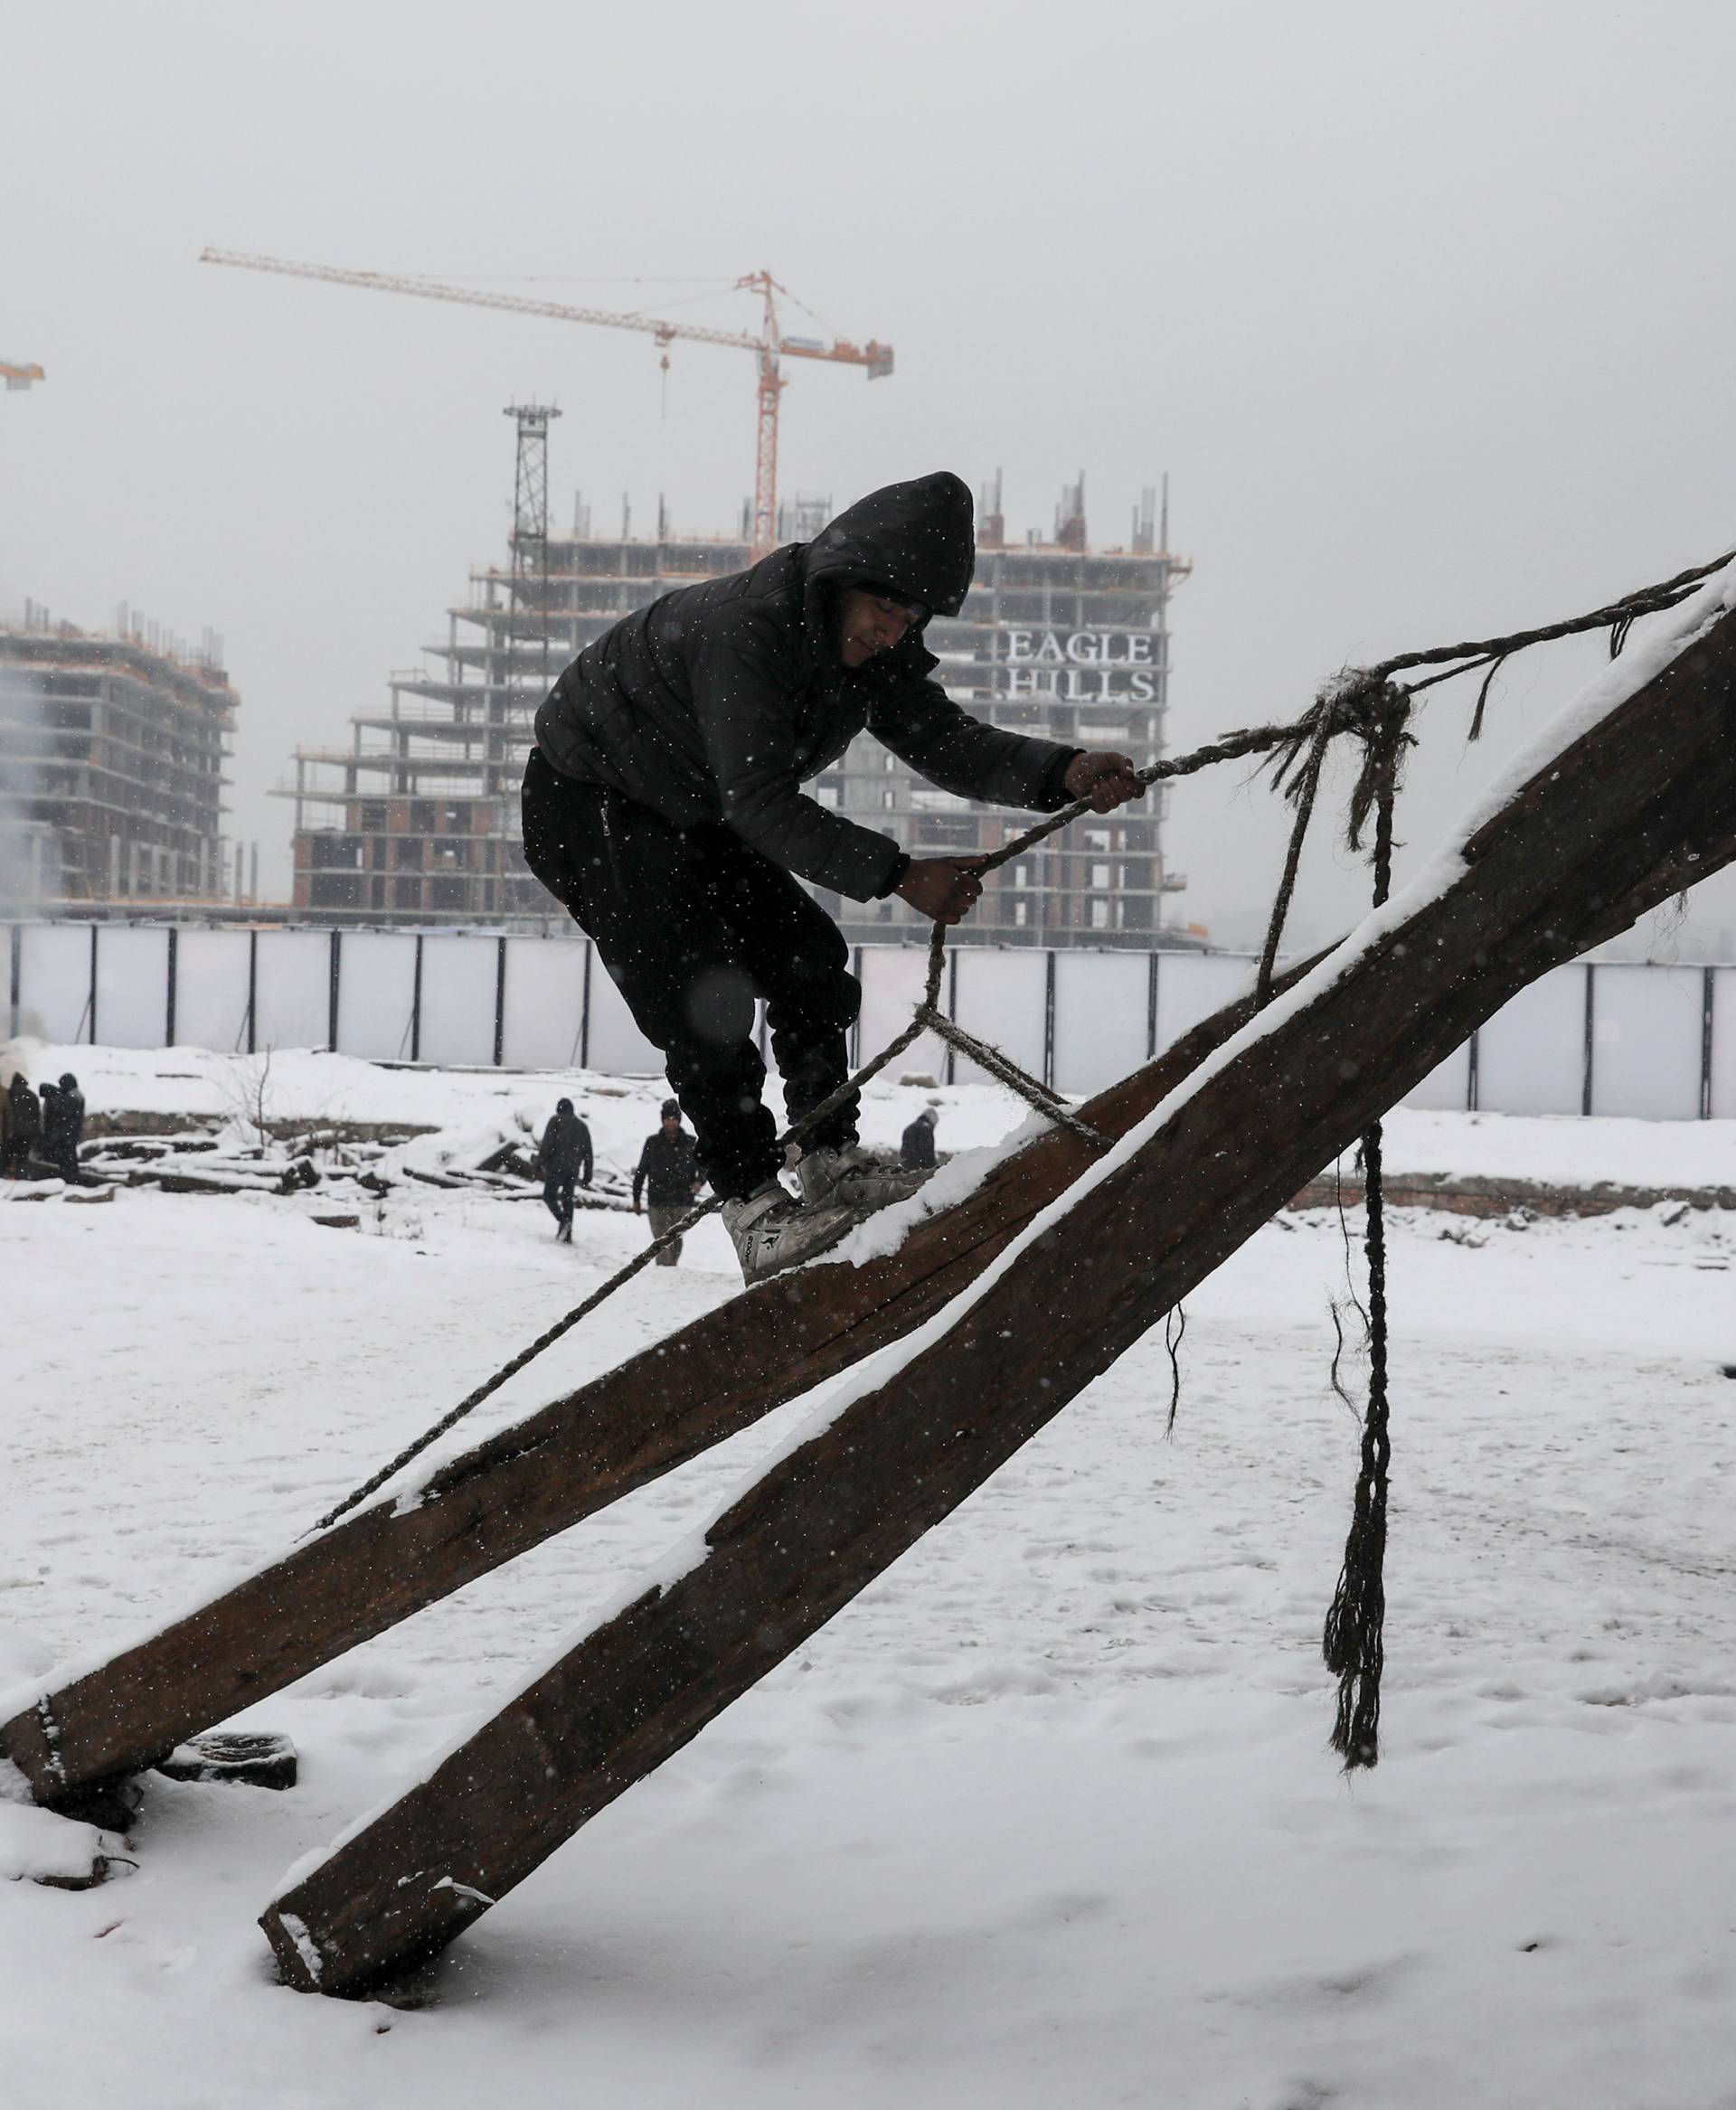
(1353, 1643)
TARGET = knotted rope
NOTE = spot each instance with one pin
(1354, 1641)
(1368, 705)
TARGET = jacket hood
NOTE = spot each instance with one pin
(918, 538)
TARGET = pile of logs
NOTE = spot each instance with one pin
(199, 1163)
(343, 1167)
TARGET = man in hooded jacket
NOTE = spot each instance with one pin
(662, 805)
(916, 1145)
(24, 1127)
(565, 1158)
(63, 1127)
(667, 1176)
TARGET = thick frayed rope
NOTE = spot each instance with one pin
(1369, 708)
(1354, 1642)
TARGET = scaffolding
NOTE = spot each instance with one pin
(112, 756)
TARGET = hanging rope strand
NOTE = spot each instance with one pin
(1305, 788)
(1353, 1641)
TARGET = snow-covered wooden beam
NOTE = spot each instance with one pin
(1628, 797)
(422, 1540)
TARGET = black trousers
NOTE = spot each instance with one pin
(557, 1193)
(693, 926)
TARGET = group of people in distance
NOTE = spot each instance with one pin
(667, 1178)
(667, 1181)
(44, 1131)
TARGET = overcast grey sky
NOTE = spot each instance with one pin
(1429, 311)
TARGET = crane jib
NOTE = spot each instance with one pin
(770, 345)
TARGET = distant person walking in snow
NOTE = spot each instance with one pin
(63, 1127)
(667, 1173)
(565, 1157)
(24, 1127)
(916, 1149)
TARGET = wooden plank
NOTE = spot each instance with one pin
(1643, 801)
(571, 1458)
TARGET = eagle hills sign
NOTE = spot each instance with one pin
(1078, 666)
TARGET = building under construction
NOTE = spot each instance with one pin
(112, 751)
(417, 820)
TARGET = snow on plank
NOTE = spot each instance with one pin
(1628, 798)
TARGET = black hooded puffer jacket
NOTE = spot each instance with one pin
(715, 704)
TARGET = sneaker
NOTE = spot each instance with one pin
(772, 1231)
(850, 1178)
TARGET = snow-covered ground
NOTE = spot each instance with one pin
(314, 1086)
(1046, 1816)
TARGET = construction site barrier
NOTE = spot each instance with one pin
(1657, 1043)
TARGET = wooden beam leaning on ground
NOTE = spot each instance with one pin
(573, 1457)
(1634, 808)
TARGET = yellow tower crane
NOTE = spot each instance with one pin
(770, 346)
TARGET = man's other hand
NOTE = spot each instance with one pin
(943, 888)
(1106, 778)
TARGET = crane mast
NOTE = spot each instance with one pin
(770, 347)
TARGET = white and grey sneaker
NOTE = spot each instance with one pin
(772, 1231)
(853, 1179)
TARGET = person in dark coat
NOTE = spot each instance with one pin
(63, 1127)
(668, 1174)
(566, 1159)
(24, 1126)
(662, 805)
(916, 1149)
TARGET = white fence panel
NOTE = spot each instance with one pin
(1648, 1025)
(1190, 986)
(54, 982)
(1530, 1055)
(293, 989)
(543, 1026)
(1447, 1088)
(1102, 1006)
(892, 980)
(1001, 998)
(376, 990)
(211, 990)
(1648, 1028)
(1723, 1044)
(618, 1048)
(459, 977)
(132, 986)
